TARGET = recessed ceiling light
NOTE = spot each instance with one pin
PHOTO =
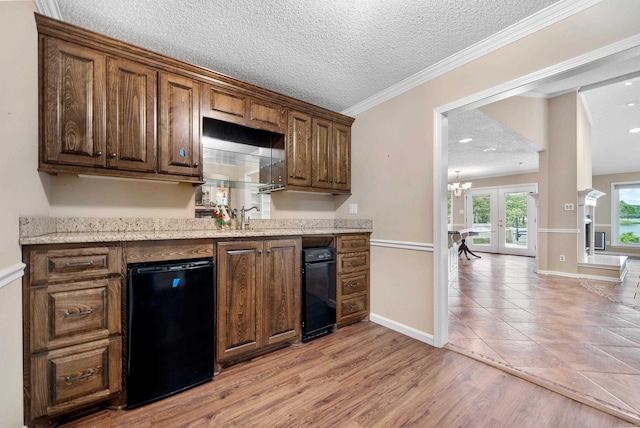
(465, 140)
(631, 103)
(628, 83)
(634, 130)
(490, 149)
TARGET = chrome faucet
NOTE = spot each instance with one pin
(243, 223)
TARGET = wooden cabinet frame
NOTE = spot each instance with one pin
(105, 133)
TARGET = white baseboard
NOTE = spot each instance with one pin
(578, 276)
(401, 328)
(11, 273)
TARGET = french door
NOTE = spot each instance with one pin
(503, 220)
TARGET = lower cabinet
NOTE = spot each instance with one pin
(352, 284)
(72, 329)
(259, 296)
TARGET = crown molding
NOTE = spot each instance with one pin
(48, 8)
(536, 22)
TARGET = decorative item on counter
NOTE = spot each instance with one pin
(217, 215)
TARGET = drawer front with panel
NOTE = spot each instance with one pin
(75, 312)
(75, 376)
(75, 263)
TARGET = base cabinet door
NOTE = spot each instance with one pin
(258, 296)
(239, 298)
(282, 294)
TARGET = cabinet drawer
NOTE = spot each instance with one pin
(351, 243)
(353, 262)
(70, 313)
(353, 305)
(74, 263)
(354, 283)
(72, 377)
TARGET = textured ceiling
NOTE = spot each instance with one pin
(495, 150)
(332, 53)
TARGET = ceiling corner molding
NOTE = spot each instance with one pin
(536, 22)
(48, 8)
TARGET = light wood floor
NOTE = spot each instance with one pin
(364, 375)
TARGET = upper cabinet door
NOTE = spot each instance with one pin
(299, 149)
(131, 115)
(231, 105)
(73, 105)
(342, 155)
(322, 152)
(179, 130)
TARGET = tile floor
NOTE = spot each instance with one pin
(581, 339)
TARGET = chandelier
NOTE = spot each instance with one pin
(457, 188)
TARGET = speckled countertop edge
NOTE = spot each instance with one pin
(45, 230)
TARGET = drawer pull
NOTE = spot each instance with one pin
(353, 307)
(86, 375)
(81, 264)
(67, 314)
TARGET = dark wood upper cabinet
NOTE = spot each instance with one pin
(331, 155)
(342, 157)
(110, 108)
(299, 149)
(73, 105)
(179, 116)
(131, 115)
(234, 105)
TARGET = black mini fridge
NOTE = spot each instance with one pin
(171, 331)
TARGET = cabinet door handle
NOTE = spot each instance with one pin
(68, 314)
(268, 251)
(112, 155)
(86, 375)
(195, 165)
(89, 263)
(98, 154)
(259, 251)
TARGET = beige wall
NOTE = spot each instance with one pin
(395, 141)
(603, 208)
(23, 190)
(584, 158)
(525, 115)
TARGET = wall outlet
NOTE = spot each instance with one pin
(561, 257)
(568, 207)
(353, 208)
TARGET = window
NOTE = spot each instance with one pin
(625, 214)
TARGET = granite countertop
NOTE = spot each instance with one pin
(47, 230)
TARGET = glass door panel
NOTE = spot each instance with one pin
(515, 220)
(482, 219)
(502, 220)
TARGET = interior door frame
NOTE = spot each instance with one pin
(586, 62)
